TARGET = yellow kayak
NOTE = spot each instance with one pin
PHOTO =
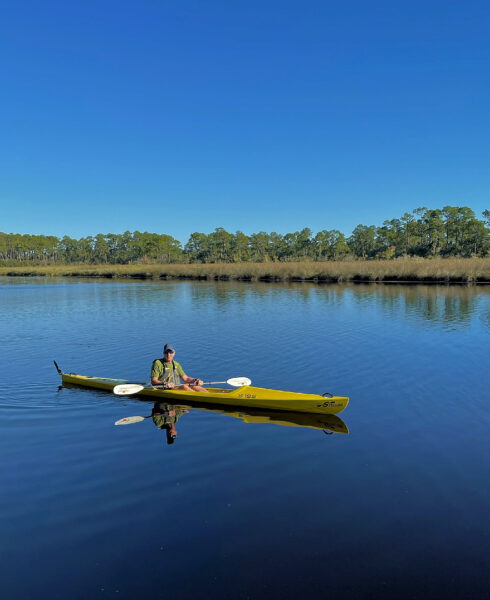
(243, 396)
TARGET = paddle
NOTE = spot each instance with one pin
(126, 389)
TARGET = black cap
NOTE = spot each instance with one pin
(168, 348)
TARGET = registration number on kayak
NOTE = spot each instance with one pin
(246, 396)
(328, 403)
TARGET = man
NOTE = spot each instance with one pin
(167, 372)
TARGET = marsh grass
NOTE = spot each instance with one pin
(467, 270)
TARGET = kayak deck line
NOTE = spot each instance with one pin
(247, 395)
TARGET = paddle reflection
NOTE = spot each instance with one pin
(165, 416)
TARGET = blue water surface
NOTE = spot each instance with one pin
(243, 505)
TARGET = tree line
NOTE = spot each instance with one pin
(450, 231)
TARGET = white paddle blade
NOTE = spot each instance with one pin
(126, 389)
(129, 420)
(239, 381)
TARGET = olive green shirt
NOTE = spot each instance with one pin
(165, 371)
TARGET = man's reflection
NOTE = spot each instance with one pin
(165, 416)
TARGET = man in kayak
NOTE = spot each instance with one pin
(168, 372)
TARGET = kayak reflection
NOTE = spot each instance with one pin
(326, 423)
(165, 416)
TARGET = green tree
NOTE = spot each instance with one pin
(276, 245)
(220, 245)
(85, 250)
(457, 223)
(390, 240)
(241, 247)
(303, 245)
(259, 246)
(197, 247)
(101, 249)
(362, 242)
(69, 249)
(329, 245)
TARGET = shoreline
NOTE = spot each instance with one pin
(459, 271)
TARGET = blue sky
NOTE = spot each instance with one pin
(185, 116)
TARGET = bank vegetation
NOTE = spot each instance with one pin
(445, 270)
(448, 244)
(453, 231)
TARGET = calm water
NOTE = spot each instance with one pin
(246, 505)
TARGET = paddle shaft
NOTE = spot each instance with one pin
(134, 388)
(149, 386)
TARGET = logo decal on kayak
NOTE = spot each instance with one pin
(246, 396)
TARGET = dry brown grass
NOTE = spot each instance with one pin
(410, 269)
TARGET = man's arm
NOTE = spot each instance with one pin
(188, 379)
(191, 380)
(156, 373)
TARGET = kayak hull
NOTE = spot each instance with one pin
(243, 396)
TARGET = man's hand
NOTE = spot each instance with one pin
(170, 385)
(198, 382)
